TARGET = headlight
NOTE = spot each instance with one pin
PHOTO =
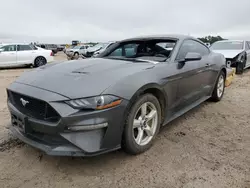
(95, 103)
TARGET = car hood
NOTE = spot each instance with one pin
(71, 50)
(91, 50)
(81, 78)
(229, 53)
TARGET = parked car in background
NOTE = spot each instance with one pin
(120, 99)
(60, 47)
(96, 53)
(77, 50)
(236, 52)
(52, 47)
(19, 54)
(75, 42)
(97, 49)
(65, 48)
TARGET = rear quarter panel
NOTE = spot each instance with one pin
(45, 54)
(217, 62)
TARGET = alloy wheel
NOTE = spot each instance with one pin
(220, 86)
(145, 123)
(40, 61)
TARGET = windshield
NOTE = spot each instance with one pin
(227, 45)
(167, 44)
(151, 50)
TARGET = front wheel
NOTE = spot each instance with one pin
(76, 55)
(142, 124)
(219, 88)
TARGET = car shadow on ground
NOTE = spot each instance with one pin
(15, 68)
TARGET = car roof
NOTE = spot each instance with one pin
(169, 36)
(230, 40)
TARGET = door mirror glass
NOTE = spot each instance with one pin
(192, 56)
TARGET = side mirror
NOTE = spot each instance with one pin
(192, 56)
(1, 50)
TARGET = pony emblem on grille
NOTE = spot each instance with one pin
(24, 102)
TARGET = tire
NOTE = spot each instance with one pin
(216, 95)
(241, 65)
(148, 127)
(40, 61)
(239, 68)
(76, 55)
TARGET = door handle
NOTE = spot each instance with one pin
(207, 65)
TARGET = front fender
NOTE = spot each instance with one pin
(130, 85)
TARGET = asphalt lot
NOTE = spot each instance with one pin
(207, 147)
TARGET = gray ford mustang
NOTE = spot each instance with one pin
(118, 100)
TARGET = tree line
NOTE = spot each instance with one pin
(211, 39)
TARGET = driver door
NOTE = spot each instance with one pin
(192, 76)
(8, 55)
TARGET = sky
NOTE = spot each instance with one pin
(61, 21)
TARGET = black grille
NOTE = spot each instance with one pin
(34, 108)
(49, 139)
(89, 54)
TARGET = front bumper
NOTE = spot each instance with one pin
(54, 138)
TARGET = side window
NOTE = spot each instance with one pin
(23, 48)
(9, 48)
(117, 52)
(130, 49)
(192, 46)
(247, 45)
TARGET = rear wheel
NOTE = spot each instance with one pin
(40, 61)
(142, 124)
(219, 88)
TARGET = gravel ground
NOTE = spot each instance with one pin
(207, 147)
